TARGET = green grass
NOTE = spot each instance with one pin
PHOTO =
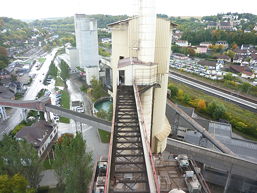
(234, 110)
(54, 190)
(59, 82)
(104, 136)
(17, 129)
(65, 103)
(41, 93)
(47, 165)
(18, 96)
(41, 60)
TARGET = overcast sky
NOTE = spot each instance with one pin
(34, 9)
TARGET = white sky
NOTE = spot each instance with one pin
(32, 9)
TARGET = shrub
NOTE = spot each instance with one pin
(201, 105)
(173, 90)
(216, 110)
(187, 99)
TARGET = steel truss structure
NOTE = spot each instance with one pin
(128, 171)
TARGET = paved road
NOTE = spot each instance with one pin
(31, 94)
(90, 134)
(248, 104)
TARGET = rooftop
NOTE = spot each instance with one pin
(5, 93)
(207, 63)
(133, 61)
(36, 134)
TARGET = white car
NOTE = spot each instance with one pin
(80, 109)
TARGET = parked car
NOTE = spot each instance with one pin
(80, 109)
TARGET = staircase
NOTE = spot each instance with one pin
(128, 170)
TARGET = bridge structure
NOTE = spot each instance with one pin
(44, 105)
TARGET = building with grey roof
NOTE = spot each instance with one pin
(222, 131)
(40, 134)
(5, 93)
(244, 148)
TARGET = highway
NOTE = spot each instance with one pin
(250, 105)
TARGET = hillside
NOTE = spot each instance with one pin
(13, 30)
(67, 24)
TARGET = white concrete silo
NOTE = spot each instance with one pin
(87, 45)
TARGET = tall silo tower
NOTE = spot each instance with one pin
(87, 45)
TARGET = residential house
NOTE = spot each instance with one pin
(106, 40)
(206, 44)
(179, 56)
(177, 34)
(223, 43)
(245, 62)
(246, 46)
(212, 25)
(25, 79)
(253, 60)
(245, 71)
(238, 59)
(5, 93)
(201, 49)
(224, 58)
(182, 43)
(240, 52)
(17, 87)
(225, 25)
(211, 65)
(4, 74)
(252, 51)
(40, 134)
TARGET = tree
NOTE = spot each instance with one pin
(191, 51)
(53, 70)
(186, 99)
(229, 76)
(173, 90)
(245, 86)
(102, 114)
(201, 105)
(72, 164)
(3, 51)
(180, 94)
(3, 57)
(230, 54)
(20, 157)
(15, 184)
(97, 89)
(65, 70)
(234, 46)
(216, 110)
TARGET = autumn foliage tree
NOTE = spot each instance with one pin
(201, 105)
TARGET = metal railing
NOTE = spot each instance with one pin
(144, 136)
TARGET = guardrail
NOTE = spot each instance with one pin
(145, 141)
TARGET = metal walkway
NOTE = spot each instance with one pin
(128, 169)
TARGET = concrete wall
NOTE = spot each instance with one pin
(47, 141)
(92, 72)
(74, 58)
(162, 58)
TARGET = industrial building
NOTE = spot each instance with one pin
(142, 57)
(87, 45)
